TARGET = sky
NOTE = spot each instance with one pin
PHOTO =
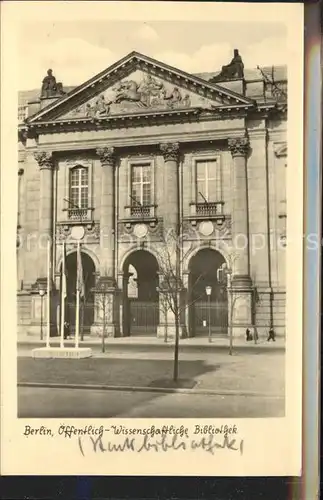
(78, 50)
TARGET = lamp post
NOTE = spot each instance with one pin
(208, 290)
(103, 298)
(224, 278)
(41, 292)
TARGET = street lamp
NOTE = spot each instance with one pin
(208, 290)
(41, 292)
(224, 278)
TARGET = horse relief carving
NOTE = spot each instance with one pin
(129, 95)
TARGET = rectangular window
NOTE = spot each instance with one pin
(79, 188)
(206, 181)
(141, 185)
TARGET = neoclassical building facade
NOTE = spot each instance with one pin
(138, 152)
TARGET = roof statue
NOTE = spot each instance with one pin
(51, 88)
(231, 71)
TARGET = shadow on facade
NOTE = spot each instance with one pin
(203, 272)
(140, 296)
(87, 303)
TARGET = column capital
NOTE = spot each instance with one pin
(239, 146)
(44, 159)
(170, 151)
(107, 155)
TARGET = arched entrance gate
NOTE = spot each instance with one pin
(140, 296)
(86, 303)
(203, 272)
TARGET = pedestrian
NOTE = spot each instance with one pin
(271, 335)
(66, 330)
(248, 335)
(256, 334)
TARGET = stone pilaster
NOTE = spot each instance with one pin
(170, 152)
(239, 148)
(241, 284)
(107, 229)
(45, 162)
(106, 293)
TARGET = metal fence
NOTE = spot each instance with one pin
(143, 317)
(218, 318)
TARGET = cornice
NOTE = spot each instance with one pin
(144, 140)
(257, 133)
(141, 119)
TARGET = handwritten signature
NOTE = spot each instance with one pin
(207, 443)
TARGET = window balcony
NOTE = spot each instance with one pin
(79, 214)
(135, 214)
(140, 212)
(212, 210)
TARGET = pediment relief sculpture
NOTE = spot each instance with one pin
(137, 93)
(137, 84)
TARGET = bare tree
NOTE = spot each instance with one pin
(103, 305)
(171, 257)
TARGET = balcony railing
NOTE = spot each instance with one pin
(140, 212)
(212, 209)
(79, 214)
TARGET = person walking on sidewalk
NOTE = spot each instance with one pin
(66, 330)
(271, 335)
(248, 335)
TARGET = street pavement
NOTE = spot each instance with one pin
(139, 384)
(85, 403)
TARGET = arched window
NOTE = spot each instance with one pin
(79, 187)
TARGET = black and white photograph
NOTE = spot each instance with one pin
(153, 294)
(151, 227)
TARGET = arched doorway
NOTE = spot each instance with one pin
(140, 295)
(86, 303)
(203, 272)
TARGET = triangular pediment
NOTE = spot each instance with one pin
(139, 84)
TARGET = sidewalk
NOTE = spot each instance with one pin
(148, 343)
(259, 374)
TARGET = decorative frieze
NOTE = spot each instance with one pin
(141, 230)
(239, 146)
(206, 229)
(91, 232)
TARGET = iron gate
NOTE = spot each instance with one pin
(218, 317)
(143, 317)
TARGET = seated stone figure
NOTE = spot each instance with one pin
(232, 70)
(50, 87)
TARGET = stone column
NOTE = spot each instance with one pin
(45, 162)
(170, 152)
(106, 293)
(107, 229)
(241, 285)
(239, 148)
